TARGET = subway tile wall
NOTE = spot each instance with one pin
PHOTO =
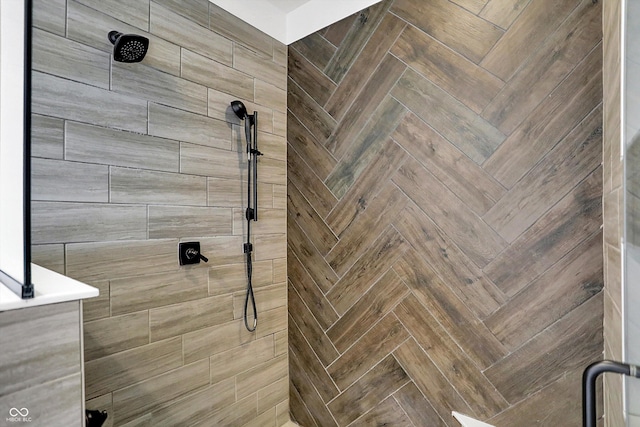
(131, 159)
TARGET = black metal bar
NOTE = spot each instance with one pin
(27, 286)
(589, 378)
(255, 154)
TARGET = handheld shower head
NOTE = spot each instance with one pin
(239, 109)
(128, 47)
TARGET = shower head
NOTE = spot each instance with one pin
(239, 109)
(128, 47)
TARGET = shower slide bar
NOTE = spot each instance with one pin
(251, 213)
(589, 385)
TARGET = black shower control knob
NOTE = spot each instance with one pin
(189, 253)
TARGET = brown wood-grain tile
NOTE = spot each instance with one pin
(373, 306)
(503, 12)
(372, 347)
(363, 67)
(336, 32)
(316, 49)
(307, 110)
(386, 413)
(310, 148)
(366, 393)
(473, 37)
(311, 79)
(417, 408)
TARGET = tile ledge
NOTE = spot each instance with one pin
(50, 288)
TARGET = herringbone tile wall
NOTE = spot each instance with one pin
(444, 213)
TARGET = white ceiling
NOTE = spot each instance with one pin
(291, 20)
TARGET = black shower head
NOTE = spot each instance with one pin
(128, 47)
(239, 109)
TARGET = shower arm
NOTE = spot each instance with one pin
(589, 385)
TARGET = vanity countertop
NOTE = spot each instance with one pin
(50, 288)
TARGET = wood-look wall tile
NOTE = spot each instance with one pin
(63, 222)
(459, 369)
(471, 334)
(271, 395)
(366, 393)
(240, 359)
(267, 298)
(503, 12)
(226, 193)
(558, 400)
(170, 26)
(102, 403)
(181, 125)
(39, 344)
(234, 28)
(554, 118)
(464, 278)
(312, 80)
(159, 87)
(474, 6)
(417, 408)
(473, 37)
(280, 53)
(475, 238)
(303, 395)
(272, 322)
(281, 342)
(387, 412)
(299, 348)
(179, 221)
(428, 378)
(355, 40)
(310, 328)
(260, 376)
(365, 353)
(47, 137)
(150, 187)
(215, 75)
(373, 306)
(566, 165)
(92, 144)
(236, 414)
(279, 123)
(115, 334)
(195, 10)
(225, 279)
(126, 368)
(568, 344)
(366, 146)
(208, 161)
(90, 262)
(280, 270)
(270, 221)
(366, 227)
(272, 146)
(267, 418)
(569, 283)
(472, 85)
(462, 176)
(145, 396)
(474, 136)
(317, 230)
(180, 318)
(258, 66)
(316, 49)
(197, 407)
(577, 216)
(89, 26)
(547, 67)
(60, 180)
(336, 32)
(156, 290)
(313, 189)
(197, 344)
(49, 15)
(359, 196)
(49, 256)
(66, 58)
(272, 171)
(373, 53)
(536, 22)
(134, 12)
(271, 247)
(364, 106)
(270, 96)
(320, 160)
(66, 408)
(57, 97)
(310, 292)
(97, 307)
(307, 253)
(309, 112)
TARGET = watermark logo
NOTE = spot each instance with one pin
(18, 415)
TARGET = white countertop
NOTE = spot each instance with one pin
(50, 288)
